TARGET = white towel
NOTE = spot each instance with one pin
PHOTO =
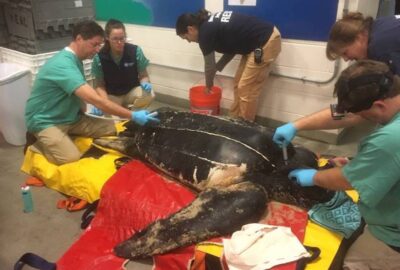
(261, 246)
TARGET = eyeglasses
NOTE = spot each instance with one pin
(335, 113)
(96, 44)
(118, 40)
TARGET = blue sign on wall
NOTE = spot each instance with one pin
(295, 19)
(162, 13)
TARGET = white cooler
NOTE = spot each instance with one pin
(14, 92)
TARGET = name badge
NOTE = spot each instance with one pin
(129, 64)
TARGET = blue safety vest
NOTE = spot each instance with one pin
(120, 79)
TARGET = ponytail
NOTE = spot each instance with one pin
(191, 19)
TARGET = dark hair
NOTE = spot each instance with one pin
(87, 29)
(345, 31)
(364, 82)
(191, 19)
(111, 25)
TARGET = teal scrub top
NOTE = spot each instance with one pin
(375, 174)
(52, 101)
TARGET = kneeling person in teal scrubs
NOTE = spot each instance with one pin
(366, 90)
(55, 108)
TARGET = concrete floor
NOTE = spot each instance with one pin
(49, 232)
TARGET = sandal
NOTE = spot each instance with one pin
(33, 181)
(72, 204)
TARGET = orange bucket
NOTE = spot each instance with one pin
(203, 103)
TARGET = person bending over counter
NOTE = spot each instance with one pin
(354, 37)
(231, 33)
(357, 37)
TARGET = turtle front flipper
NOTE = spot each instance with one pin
(214, 212)
(124, 145)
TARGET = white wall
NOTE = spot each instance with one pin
(177, 65)
(302, 80)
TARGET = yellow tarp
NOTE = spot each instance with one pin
(82, 179)
(328, 242)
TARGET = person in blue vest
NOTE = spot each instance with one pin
(56, 106)
(357, 37)
(120, 70)
(354, 37)
(231, 33)
(371, 91)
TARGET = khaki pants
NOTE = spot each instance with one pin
(369, 253)
(136, 99)
(57, 146)
(250, 78)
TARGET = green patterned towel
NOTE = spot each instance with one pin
(340, 214)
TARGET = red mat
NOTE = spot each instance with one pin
(131, 199)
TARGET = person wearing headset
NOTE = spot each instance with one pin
(367, 89)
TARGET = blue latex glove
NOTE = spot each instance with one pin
(303, 177)
(284, 134)
(146, 86)
(96, 111)
(143, 116)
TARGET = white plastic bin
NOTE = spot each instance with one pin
(14, 92)
(34, 61)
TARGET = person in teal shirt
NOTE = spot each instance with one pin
(369, 90)
(120, 70)
(54, 110)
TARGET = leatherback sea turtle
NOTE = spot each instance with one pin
(233, 164)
